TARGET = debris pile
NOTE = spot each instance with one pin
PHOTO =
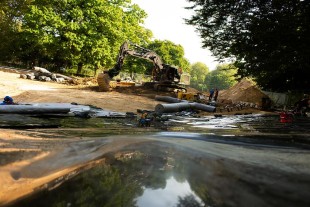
(243, 94)
(43, 74)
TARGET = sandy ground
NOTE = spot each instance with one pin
(24, 90)
(119, 100)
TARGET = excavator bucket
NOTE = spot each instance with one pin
(103, 80)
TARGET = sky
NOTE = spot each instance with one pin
(166, 21)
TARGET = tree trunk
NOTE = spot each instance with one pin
(95, 71)
(79, 69)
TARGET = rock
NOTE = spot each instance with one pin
(42, 78)
(24, 76)
(31, 77)
(42, 70)
(60, 80)
(53, 76)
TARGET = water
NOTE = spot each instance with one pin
(226, 161)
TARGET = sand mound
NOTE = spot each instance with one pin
(244, 91)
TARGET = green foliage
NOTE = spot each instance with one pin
(76, 33)
(170, 53)
(198, 74)
(10, 23)
(223, 77)
(268, 39)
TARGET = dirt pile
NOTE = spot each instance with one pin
(243, 91)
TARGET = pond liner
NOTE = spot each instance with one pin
(177, 107)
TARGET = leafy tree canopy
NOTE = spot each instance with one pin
(199, 71)
(267, 39)
(223, 77)
(83, 32)
(198, 74)
(170, 53)
(10, 13)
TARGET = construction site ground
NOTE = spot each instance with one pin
(121, 99)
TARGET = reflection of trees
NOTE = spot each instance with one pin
(188, 201)
(112, 185)
(194, 169)
(121, 181)
(99, 186)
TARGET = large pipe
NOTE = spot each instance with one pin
(203, 107)
(33, 109)
(173, 107)
(168, 99)
(177, 107)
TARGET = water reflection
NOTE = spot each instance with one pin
(183, 173)
(224, 161)
(174, 194)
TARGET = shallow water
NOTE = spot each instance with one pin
(226, 161)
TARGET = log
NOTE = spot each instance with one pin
(42, 70)
(63, 76)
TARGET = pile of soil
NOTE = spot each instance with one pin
(244, 91)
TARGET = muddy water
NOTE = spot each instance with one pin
(225, 161)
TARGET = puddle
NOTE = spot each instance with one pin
(186, 172)
(225, 161)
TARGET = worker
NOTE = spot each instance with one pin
(7, 101)
(211, 94)
(144, 121)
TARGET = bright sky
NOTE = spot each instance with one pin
(166, 21)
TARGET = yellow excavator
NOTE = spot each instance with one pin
(163, 75)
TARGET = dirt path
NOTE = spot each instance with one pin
(23, 90)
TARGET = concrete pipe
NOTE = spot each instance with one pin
(168, 99)
(173, 107)
(203, 107)
(177, 107)
(32, 109)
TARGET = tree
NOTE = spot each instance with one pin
(11, 12)
(268, 39)
(223, 77)
(78, 33)
(170, 53)
(198, 74)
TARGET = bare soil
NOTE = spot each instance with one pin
(121, 99)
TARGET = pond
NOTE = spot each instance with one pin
(246, 160)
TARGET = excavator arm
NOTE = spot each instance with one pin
(138, 52)
(161, 73)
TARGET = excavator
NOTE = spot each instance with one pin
(163, 75)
